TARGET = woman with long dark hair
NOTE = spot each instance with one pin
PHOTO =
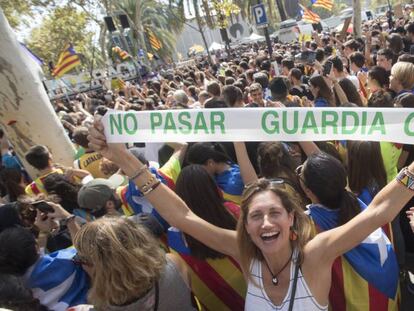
(13, 182)
(321, 91)
(324, 180)
(366, 171)
(199, 191)
(275, 161)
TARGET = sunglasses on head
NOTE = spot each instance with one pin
(261, 185)
(298, 172)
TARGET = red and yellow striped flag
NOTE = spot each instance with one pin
(120, 52)
(68, 60)
(326, 4)
(153, 40)
(309, 17)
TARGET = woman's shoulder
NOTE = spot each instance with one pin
(175, 265)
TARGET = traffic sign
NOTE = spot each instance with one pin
(259, 14)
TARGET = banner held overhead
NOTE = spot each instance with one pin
(261, 124)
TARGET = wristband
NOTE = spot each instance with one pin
(406, 178)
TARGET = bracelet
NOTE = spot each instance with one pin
(153, 187)
(406, 178)
(407, 171)
(140, 171)
(150, 185)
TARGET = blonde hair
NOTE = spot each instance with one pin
(404, 73)
(301, 223)
(126, 260)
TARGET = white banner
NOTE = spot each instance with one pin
(261, 124)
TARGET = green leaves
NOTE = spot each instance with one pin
(63, 25)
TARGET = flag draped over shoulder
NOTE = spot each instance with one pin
(57, 282)
(120, 52)
(374, 259)
(326, 4)
(153, 40)
(309, 17)
(68, 60)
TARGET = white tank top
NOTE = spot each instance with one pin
(257, 299)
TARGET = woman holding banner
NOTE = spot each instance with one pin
(284, 267)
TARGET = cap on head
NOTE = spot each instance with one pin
(94, 195)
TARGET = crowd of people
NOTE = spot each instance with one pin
(222, 226)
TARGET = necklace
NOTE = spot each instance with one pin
(275, 280)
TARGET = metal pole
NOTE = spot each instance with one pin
(268, 41)
(267, 36)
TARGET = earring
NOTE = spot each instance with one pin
(293, 235)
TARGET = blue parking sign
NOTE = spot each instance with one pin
(259, 14)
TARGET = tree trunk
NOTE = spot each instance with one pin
(281, 10)
(26, 114)
(271, 17)
(140, 31)
(102, 42)
(207, 12)
(357, 18)
(200, 27)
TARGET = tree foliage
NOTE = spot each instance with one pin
(224, 9)
(18, 12)
(164, 20)
(64, 24)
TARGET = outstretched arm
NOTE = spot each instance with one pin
(383, 209)
(309, 147)
(246, 168)
(166, 202)
(179, 150)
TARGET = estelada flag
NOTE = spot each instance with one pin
(326, 4)
(120, 52)
(308, 16)
(68, 60)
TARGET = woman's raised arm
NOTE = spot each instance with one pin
(166, 202)
(383, 209)
(247, 171)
